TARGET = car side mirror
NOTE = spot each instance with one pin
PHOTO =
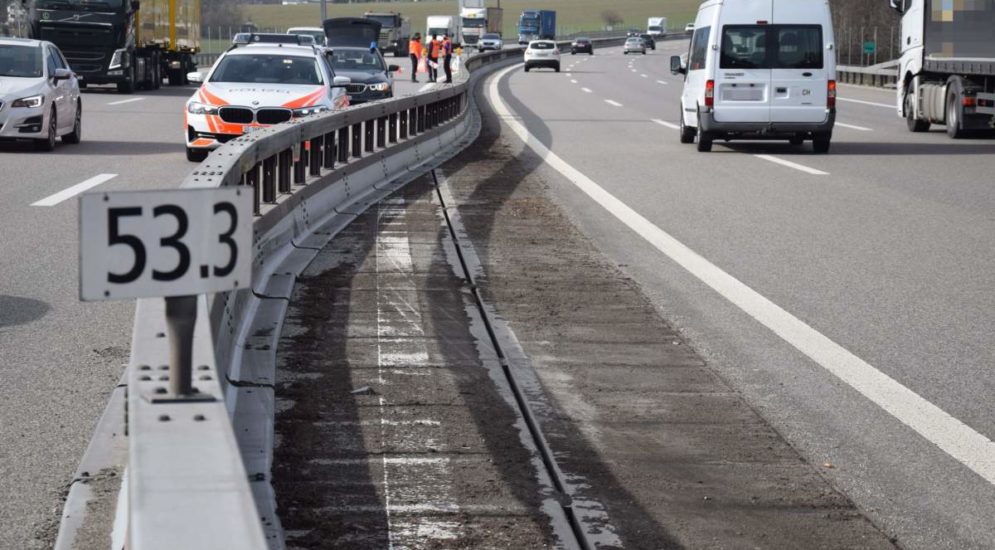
(195, 77)
(341, 81)
(897, 5)
(61, 74)
(393, 68)
(676, 66)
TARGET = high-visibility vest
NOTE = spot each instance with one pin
(436, 46)
(414, 48)
(447, 47)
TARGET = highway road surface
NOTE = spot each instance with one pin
(848, 296)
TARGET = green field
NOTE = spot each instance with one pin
(572, 16)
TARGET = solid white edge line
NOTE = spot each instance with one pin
(862, 102)
(852, 127)
(613, 103)
(71, 192)
(123, 101)
(670, 125)
(795, 165)
(955, 438)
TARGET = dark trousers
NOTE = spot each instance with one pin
(433, 72)
(414, 67)
(447, 65)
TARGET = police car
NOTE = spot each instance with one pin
(262, 80)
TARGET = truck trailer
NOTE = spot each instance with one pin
(130, 43)
(947, 68)
(395, 32)
(536, 25)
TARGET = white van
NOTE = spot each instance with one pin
(759, 69)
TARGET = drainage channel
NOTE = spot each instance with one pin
(556, 475)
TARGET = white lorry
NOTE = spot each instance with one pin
(439, 25)
(947, 69)
(759, 69)
(656, 26)
(473, 17)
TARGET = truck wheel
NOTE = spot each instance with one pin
(953, 118)
(915, 124)
(127, 86)
(820, 143)
(175, 77)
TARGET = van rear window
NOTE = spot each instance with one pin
(771, 47)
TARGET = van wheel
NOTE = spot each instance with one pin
(820, 143)
(953, 118)
(704, 139)
(687, 134)
(915, 124)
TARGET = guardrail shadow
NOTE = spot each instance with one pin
(15, 310)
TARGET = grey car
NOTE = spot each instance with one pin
(39, 94)
(634, 44)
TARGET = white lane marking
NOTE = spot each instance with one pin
(123, 101)
(635, 71)
(670, 125)
(569, 75)
(862, 102)
(613, 103)
(71, 192)
(573, 81)
(588, 90)
(644, 76)
(664, 82)
(955, 438)
(794, 165)
(852, 127)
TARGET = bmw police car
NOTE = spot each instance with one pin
(262, 80)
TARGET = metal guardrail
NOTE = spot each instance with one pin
(876, 75)
(189, 479)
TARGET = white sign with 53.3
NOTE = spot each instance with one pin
(143, 244)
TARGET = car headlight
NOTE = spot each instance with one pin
(198, 108)
(381, 87)
(31, 102)
(310, 110)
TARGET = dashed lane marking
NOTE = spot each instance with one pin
(853, 127)
(123, 101)
(670, 125)
(862, 102)
(613, 103)
(71, 192)
(588, 90)
(795, 165)
(664, 82)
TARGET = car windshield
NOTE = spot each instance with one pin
(268, 69)
(474, 23)
(542, 46)
(20, 61)
(355, 60)
(634, 40)
(492, 36)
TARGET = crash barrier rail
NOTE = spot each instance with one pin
(883, 75)
(197, 468)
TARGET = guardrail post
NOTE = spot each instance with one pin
(382, 132)
(283, 170)
(420, 116)
(315, 161)
(300, 165)
(269, 180)
(392, 128)
(329, 150)
(343, 144)
(251, 179)
(404, 117)
(369, 133)
(181, 318)
(357, 140)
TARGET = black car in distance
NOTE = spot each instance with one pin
(582, 45)
(648, 39)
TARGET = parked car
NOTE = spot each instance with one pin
(650, 42)
(257, 85)
(753, 76)
(491, 41)
(542, 53)
(39, 94)
(371, 77)
(317, 33)
(689, 27)
(634, 44)
(582, 45)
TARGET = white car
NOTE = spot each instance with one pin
(491, 41)
(255, 86)
(689, 27)
(542, 53)
(39, 94)
(315, 32)
(760, 70)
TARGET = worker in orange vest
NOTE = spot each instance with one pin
(434, 49)
(447, 52)
(414, 52)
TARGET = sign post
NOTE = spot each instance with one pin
(173, 244)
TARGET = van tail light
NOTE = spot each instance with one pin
(831, 95)
(710, 93)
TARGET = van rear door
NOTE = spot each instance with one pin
(742, 80)
(801, 64)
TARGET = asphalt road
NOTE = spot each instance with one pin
(883, 247)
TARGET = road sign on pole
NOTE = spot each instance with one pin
(869, 47)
